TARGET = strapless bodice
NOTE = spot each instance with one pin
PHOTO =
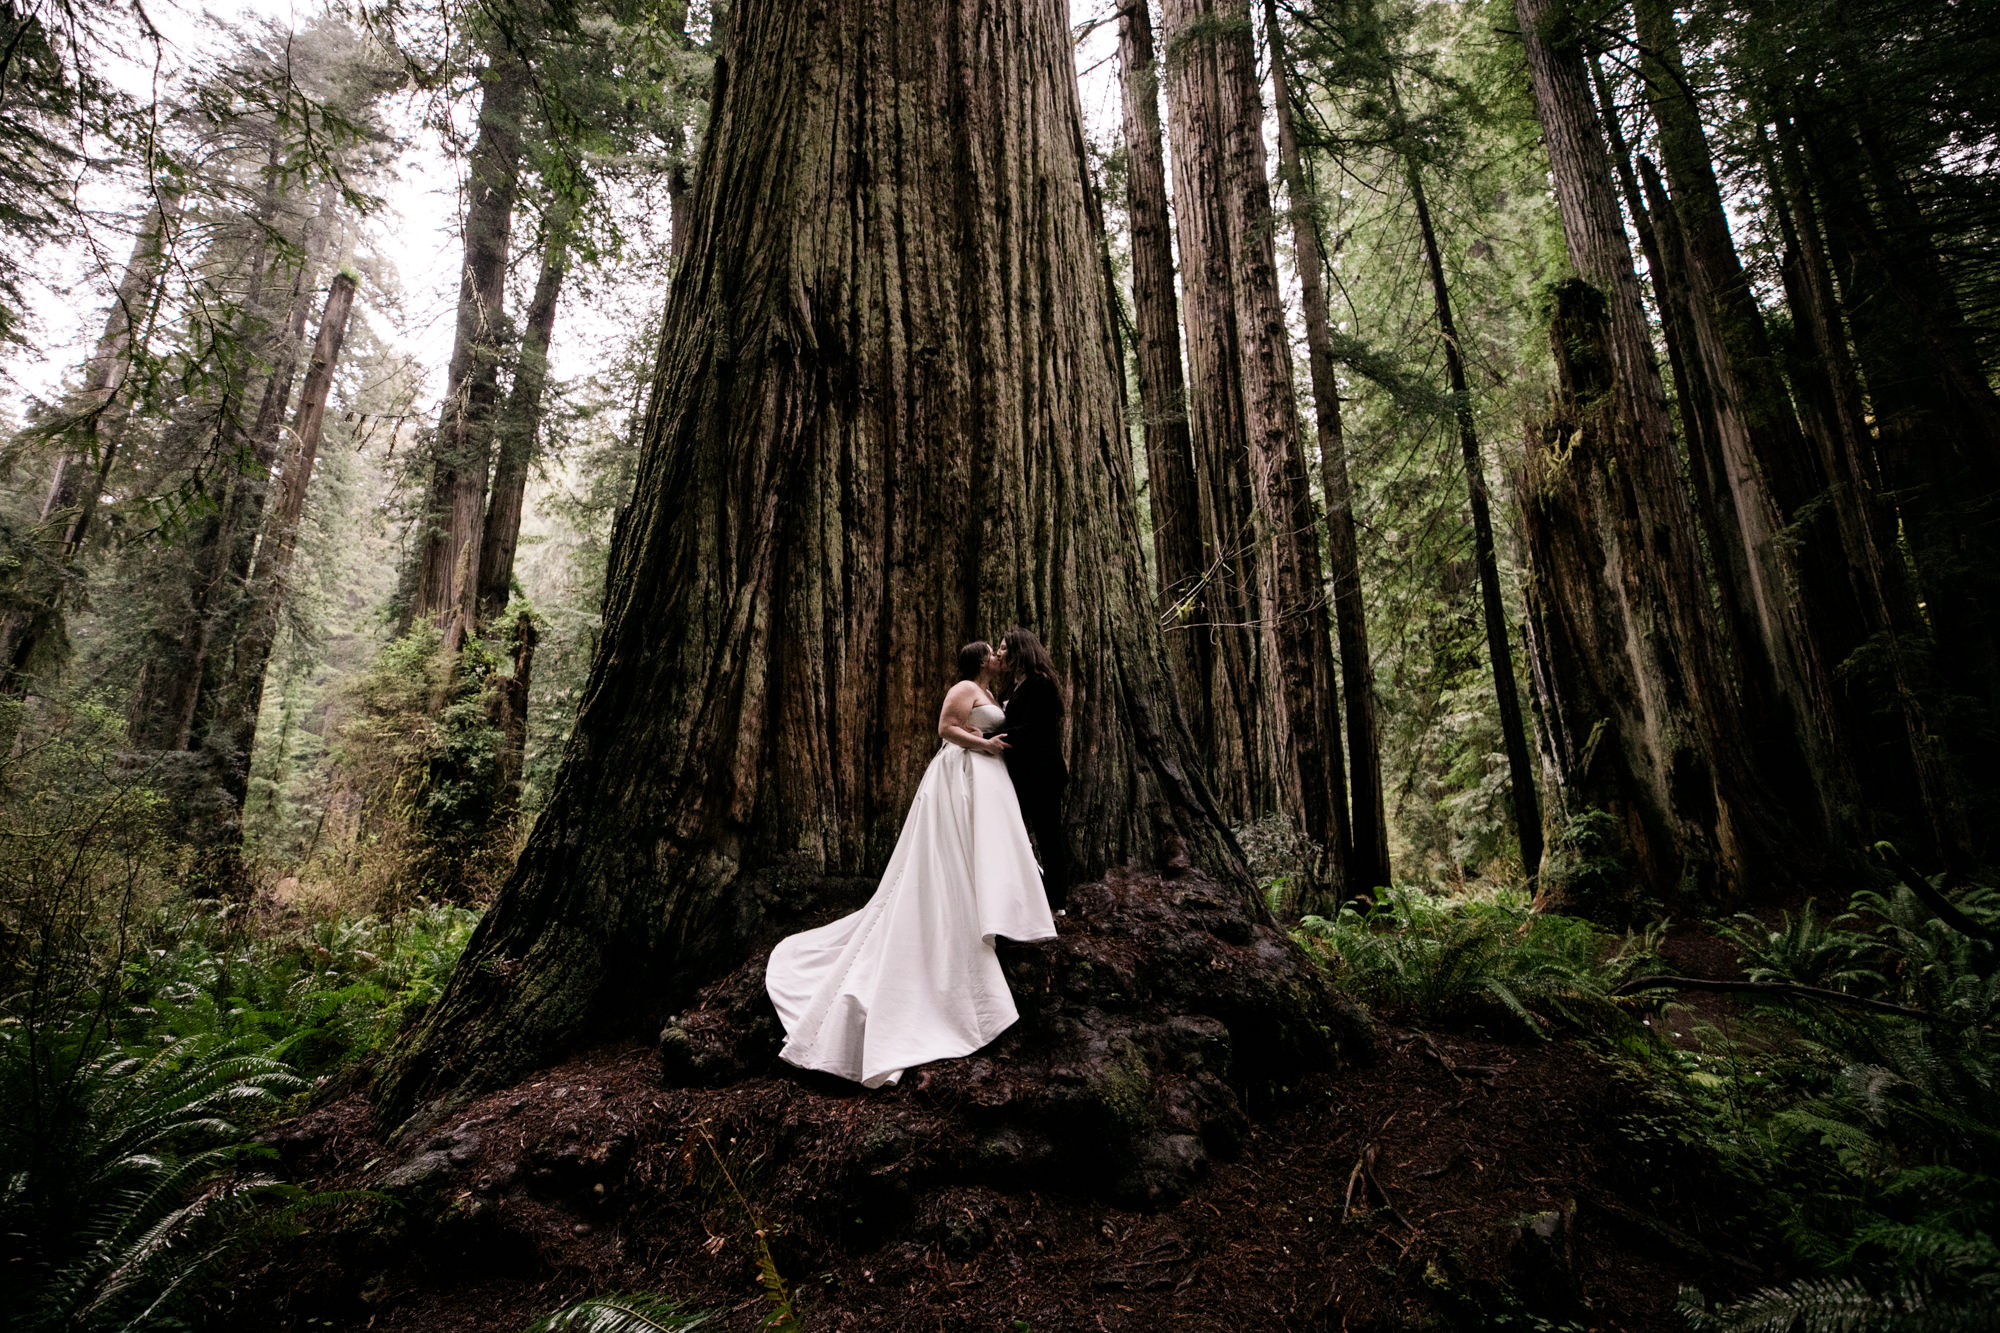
(989, 718)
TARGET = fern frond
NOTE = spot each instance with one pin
(636, 1313)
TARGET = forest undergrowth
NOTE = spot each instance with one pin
(1852, 1157)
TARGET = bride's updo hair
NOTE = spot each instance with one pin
(972, 659)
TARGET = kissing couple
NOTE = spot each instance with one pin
(913, 976)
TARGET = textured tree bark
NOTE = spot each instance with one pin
(1628, 672)
(1368, 865)
(1493, 608)
(231, 737)
(447, 574)
(888, 418)
(1937, 427)
(1175, 500)
(1243, 702)
(93, 422)
(519, 424)
(1907, 776)
(1808, 617)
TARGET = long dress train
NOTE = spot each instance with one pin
(912, 977)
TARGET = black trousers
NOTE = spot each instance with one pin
(1041, 809)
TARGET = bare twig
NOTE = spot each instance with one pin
(1786, 989)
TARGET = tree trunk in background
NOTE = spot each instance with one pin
(889, 418)
(1300, 635)
(1616, 580)
(447, 574)
(93, 420)
(1176, 502)
(1368, 865)
(1242, 701)
(507, 710)
(174, 675)
(1937, 428)
(520, 423)
(1493, 608)
(1906, 776)
(231, 738)
(1808, 615)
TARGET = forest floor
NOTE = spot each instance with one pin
(1506, 1190)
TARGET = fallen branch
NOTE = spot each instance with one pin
(1368, 1170)
(1943, 908)
(1786, 989)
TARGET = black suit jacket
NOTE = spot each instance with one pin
(1034, 735)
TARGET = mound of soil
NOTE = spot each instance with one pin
(1187, 1129)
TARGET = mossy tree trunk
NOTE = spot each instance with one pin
(887, 417)
(1639, 713)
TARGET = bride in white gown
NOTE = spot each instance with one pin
(912, 977)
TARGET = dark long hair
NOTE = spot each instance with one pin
(972, 659)
(1026, 657)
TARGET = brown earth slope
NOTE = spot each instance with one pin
(1162, 1142)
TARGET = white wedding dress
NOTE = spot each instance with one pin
(912, 976)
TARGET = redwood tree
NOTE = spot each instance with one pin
(1639, 715)
(447, 568)
(1175, 504)
(887, 417)
(1249, 438)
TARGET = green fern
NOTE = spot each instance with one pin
(1433, 959)
(637, 1313)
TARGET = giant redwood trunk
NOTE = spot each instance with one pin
(1369, 825)
(1175, 500)
(1254, 439)
(1936, 420)
(888, 417)
(1639, 718)
(1242, 699)
(447, 572)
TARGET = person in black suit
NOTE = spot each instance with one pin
(1035, 753)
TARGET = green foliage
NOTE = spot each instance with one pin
(1867, 1146)
(1483, 959)
(422, 751)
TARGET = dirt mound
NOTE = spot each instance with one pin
(1174, 1135)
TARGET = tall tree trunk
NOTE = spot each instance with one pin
(1807, 615)
(1175, 500)
(1616, 582)
(175, 680)
(1368, 865)
(231, 737)
(1493, 608)
(1907, 775)
(93, 422)
(1937, 427)
(1242, 701)
(890, 418)
(520, 423)
(447, 573)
